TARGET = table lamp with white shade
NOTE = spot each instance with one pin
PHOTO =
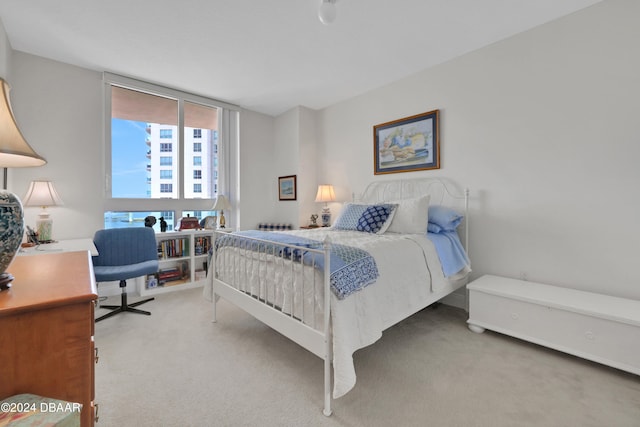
(42, 193)
(15, 152)
(325, 194)
(220, 205)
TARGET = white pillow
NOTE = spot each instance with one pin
(411, 216)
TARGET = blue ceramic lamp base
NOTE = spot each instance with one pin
(11, 232)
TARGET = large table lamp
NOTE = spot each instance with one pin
(220, 205)
(42, 193)
(15, 152)
(325, 194)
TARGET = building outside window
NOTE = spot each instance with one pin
(146, 149)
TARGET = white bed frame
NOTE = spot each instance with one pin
(319, 340)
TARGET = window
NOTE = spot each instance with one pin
(160, 144)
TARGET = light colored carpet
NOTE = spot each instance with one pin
(177, 368)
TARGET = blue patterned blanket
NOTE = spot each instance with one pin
(351, 268)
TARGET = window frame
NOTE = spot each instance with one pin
(227, 156)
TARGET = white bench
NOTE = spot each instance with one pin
(596, 327)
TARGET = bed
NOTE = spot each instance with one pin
(335, 290)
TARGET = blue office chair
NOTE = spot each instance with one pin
(124, 253)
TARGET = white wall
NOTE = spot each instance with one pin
(5, 53)
(59, 110)
(542, 128)
(258, 188)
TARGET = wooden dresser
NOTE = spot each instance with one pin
(46, 329)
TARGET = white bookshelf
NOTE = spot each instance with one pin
(184, 251)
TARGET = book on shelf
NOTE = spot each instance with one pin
(173, 248)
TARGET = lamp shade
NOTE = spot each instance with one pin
(42, 193)
(14, 150)
(325, 193)
(221, 204)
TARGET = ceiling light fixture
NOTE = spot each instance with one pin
(327, 12)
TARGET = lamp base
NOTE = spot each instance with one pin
(5, 281)
(326, 217)
(44, 225)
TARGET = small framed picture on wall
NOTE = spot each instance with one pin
(287, 187)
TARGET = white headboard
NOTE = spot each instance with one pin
(441, 191)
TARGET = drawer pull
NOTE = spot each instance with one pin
(96, 417)
(96, 357)
(515, 316)
(590, 335)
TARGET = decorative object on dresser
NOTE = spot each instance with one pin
(325, 194)
(124, 253)
(409, 144)
(163, 225)
(42, 193)
(313, 221)
(150, 221)
(220, 205)
(287, 188)
(15, 152)
(209, 222)
(189, 223)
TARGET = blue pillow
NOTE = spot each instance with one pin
(374, 218)
(433, 228)
(445, 218)
(348, 219)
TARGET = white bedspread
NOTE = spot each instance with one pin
(410, 279)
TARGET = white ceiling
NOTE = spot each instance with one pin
(268, 55)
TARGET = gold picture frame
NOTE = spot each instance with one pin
(408, 144)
